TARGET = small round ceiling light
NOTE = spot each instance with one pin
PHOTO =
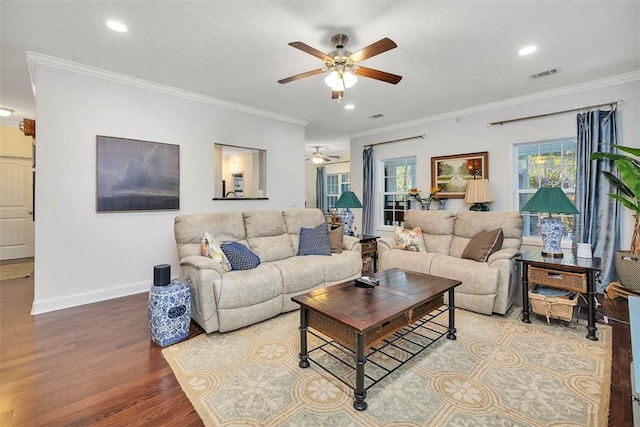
(527, 50)
(117, 26)
(349, 107)
(5, 112)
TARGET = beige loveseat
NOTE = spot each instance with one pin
(486, 287)
(226, 300)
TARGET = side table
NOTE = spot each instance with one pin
(370, 249)
(566, 264)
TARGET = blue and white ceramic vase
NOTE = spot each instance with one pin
(551, 230)
(347, 221)
(169, 312)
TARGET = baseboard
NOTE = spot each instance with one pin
(46, 305)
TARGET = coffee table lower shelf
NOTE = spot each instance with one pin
(383, 358)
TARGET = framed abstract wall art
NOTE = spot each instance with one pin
(134, 175)
(451, 173)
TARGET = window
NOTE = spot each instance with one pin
(545, 163)
(335, 185)
(399, 176)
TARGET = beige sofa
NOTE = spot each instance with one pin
(226, 300)
(486, 287)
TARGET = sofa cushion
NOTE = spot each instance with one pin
(210, 247)
(188, 230)
(342, 267)
(267, 236)
(299, 274)
(437, 228)
(336, 240)
(469, 223)
(409, 240)
(246, 288)
(483, 244)
(295, 219)
(314, 241)
(239, 256)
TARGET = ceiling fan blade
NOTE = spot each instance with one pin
(310, 50)
(378, 75)
(336, 94)
(374, 49)
(301, 76)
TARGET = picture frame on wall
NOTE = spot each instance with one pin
(134, 175)
(451, 173)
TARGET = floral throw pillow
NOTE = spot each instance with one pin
(210, 247)
(409, 240)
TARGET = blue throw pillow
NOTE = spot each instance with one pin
(314, 241)
(239, 256)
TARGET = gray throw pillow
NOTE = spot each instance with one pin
(483, 244)
(336, 240)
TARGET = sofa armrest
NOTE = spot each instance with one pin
(505, 253)
(201, 263)
(386, 244)
(350, 243)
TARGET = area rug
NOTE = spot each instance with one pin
(16, 271)
(499, 372)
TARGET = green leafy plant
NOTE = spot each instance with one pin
(627, 186)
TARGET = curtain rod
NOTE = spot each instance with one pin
(610, 104)
(395, 140)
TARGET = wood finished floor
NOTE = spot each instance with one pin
(95, 365)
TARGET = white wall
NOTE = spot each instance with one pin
(467, 131)
(83, 256)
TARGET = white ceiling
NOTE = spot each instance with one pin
(452, 54)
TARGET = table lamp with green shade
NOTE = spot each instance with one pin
(550, 200)
(347, 200)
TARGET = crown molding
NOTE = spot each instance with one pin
(34, 58)
(538, 96)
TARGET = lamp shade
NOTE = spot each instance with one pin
(347, 200)
(478, 191)
(551, 200)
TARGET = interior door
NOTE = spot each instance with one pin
(16, 208)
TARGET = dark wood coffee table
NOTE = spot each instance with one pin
(365, 320)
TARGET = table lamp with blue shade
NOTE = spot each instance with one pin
(550, 200)
(347, 200)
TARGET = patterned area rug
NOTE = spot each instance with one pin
(16, 271)
(499, 372)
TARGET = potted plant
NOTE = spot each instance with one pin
(628, 193)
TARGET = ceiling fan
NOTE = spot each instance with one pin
(343, 66)
(317, 157)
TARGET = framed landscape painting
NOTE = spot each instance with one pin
(135, 175)
(451, 173)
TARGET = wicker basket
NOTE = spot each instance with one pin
(551, 307)
(575, 282)
(628, 268)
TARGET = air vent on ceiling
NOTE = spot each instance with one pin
(544, 73)
(376, 116)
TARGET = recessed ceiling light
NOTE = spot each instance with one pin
(117, 26)
(5, 112)
(527, 50)
(349, 107)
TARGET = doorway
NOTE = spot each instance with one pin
(17, 228)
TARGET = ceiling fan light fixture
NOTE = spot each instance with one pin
(349, 79)
(317, 160)
(334, 81)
